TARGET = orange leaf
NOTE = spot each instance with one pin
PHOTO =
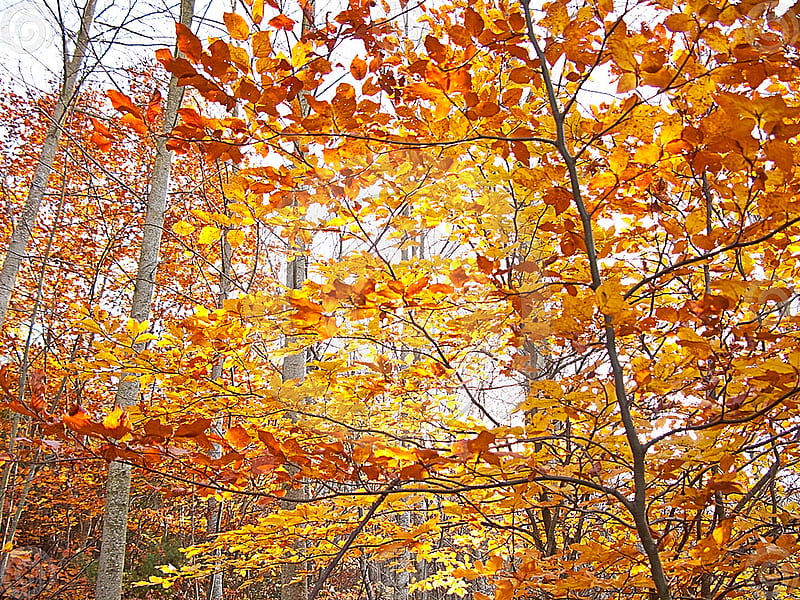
(358, 68)
(103, 143)
(193, 429)
(486, 109)
(282, 22)
(262, 47)
(134, 123)
(123, 103)
(238, 437)
(441, 288)
(154, 108)
(78, 420)
(154, 428)
(236, 25)
(116, 424)
(180, 67)
(559, 198)
(521, 152)
(459, 276)
(188, 43)
(435, 49)
(473, 22)
(505, 590)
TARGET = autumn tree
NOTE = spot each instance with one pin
(24, 225)
(111, 563)
(614, 236)
(638, 240)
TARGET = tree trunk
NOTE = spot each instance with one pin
(215, 507)
(293, 585)
(112, 550)
(23, 228)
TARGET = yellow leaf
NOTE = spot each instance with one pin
(262, 47)
(722, 533)
(258, 11)
(609, 298)
(604, 179)
(695, 222)
(679, 22)
(557, 17)
(622, 53)
(626, 82)
(7, 547)
(698, 344)
(182, 228)
(618, 160)
(647, 154)
(300, 53)
(236, 25)
(208, 235)
(235, 238)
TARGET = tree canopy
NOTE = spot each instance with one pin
(548, 322)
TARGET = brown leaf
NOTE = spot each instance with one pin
(193, 429)
(435, 49)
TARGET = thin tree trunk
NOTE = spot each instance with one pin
(294, 586)
(10, 523)
(215, 507)
(115, 523)
(23, 228)
(401, 578)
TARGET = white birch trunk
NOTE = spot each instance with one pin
(111, 563)
(23, 228)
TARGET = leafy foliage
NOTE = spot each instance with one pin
(554, 327)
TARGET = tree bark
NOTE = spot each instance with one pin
(112, 550)
(23, 228)
(215, 507)
(293, 585)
